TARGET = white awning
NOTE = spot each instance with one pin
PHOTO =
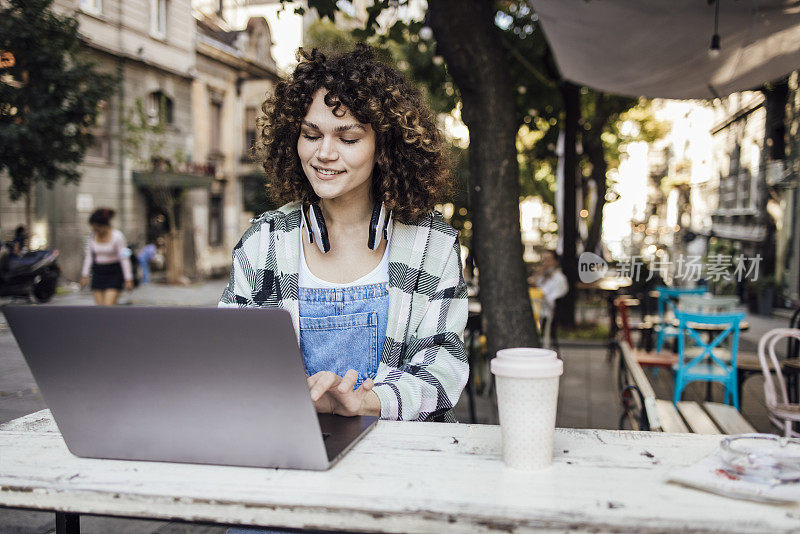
(659, 48)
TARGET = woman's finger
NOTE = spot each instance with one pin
(311, 380)
(348, 381)
(325, 382)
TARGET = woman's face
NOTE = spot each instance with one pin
(337, 153)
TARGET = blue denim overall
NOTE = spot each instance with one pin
(343, 328)
(340, 329)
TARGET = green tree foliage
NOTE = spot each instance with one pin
(539, 94)
(49, 96)
(540, 109)
(607, 122)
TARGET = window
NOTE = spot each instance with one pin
(92, 6)
(249, 130)
(101, 145)
(216, 125)
(254, 195)
(160, 108)
(215, 220)
(158, 18)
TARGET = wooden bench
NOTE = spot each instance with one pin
(638, 397)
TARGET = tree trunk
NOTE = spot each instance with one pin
(174, 257)
(775, 98)
(569, 257)
(593, 148)
(468, 40)
(29, 214)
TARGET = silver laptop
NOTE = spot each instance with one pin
(197, 385)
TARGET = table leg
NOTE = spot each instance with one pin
(471, 390)
(67, 523)
(708, 384)
(470, 343)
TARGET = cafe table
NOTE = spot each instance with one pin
(401, 477)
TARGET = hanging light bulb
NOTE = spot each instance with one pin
(713, 50)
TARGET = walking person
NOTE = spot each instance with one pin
(145, 256)
(369, 272)
(19, 244)
(107, 261)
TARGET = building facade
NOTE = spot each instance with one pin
(204, 88)
(727, 173)
(235, 72)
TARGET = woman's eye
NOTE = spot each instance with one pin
(349, 141)
(310, 137)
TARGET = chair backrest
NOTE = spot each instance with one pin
(770, 364)
(707, 303)
(667, 294)
(793, 345)
(622, 311)
(728, 324)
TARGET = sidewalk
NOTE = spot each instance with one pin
(19, 396)
(761, 324)
(205, 293)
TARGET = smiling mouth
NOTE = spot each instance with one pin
(327, 172)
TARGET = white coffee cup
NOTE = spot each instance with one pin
(527, 395)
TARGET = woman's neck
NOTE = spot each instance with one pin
(347, 213)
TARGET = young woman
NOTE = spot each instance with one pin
(369, 272)
(106, 260)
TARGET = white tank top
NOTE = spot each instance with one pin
(307, 279)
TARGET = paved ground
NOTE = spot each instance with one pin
(587, 398)
(19, 396)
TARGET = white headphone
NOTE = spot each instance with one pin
(380, 226)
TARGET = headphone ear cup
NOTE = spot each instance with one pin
(387, 230)
(310, 234)
(317, 225)
(376, 223)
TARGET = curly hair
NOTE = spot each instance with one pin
(411, 174)
(102, 216)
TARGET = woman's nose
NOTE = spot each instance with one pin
(327, 151)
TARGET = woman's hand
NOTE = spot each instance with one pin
(84, 281)
(128, 285)
(334, 394)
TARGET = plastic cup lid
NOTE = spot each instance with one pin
(525, 362)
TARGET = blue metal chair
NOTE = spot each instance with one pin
(708, 361)
(666, 296)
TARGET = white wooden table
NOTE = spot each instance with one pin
(402, 477)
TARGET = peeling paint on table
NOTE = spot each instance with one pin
(402, 477)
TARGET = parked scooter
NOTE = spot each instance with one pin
(33, 274)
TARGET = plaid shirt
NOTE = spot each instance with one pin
(424, 366)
